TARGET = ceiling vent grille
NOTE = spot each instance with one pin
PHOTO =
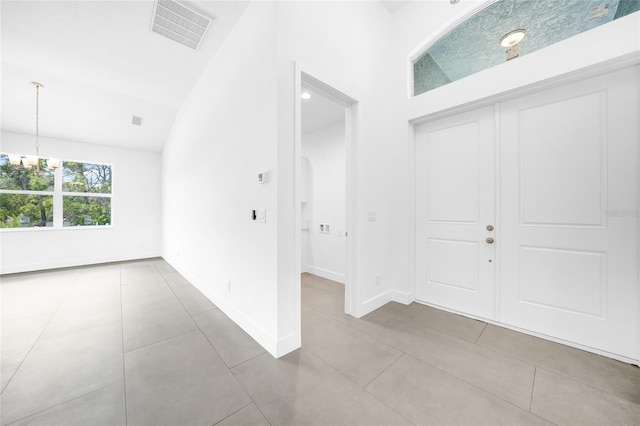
(179, 22)
(136, 121)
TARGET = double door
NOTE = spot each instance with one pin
(527, 213)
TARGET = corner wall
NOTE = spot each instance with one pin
(136, 219)
(224, 135)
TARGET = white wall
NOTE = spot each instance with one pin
(347, 45)
(136, 215)
(417, 23)
(323, 254)
(239, 120)
(224, 134)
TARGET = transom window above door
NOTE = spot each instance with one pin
(506, 29)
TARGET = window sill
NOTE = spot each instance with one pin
(54, 228)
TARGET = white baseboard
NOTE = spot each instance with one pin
(275, 347)
(69, 263)
(622, 358)
(405, 298)
(381, 300)
(324, 273)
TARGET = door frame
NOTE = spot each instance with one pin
(496, 101)
(321, 84)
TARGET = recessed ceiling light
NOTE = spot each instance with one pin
(305, 95)
(512, 38)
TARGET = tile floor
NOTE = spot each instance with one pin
(134, 343)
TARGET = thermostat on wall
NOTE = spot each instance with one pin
(263, 177)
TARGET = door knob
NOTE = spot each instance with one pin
(489, 240)
(490, 228)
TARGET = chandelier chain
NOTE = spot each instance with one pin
(37, 116)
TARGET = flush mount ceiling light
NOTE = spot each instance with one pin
(512, 38)
(454, 1)
(34, 160)
(305, 95)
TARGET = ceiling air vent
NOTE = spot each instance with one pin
(136, 121)
(179, 22)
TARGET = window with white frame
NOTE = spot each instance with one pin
(75, 194)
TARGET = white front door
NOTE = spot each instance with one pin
(565, 259)
(569, 223)
(455, 202)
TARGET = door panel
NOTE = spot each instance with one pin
(455, 193)
(569, 212)
(553, 137)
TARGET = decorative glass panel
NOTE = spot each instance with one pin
(25, 211)
(86, 177)
(80, 210)
(474, 45)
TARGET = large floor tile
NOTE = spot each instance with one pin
(331, 305)
(133, 274)
(81, 314)
(319, 284)
(64, 367)
(445, 322)
(17, 337)
(248, 416)
(604, 373)
(428, 396)
(175, 280)
(299, 389)
(90, 289)
(355, 354)
(564, 401)
(43, 296)
(101, 407)
(502, 375)
(231, 342)
(181, 381)
(143, 294)
(146, 324)
(393, 308)
(107, 272)
(322, 301)
(162, 265)
(192, 300)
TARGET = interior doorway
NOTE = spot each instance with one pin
(323, 178)
(326, 142)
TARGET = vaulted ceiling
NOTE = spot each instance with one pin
(100, 64)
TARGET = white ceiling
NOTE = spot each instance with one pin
(394, 5)
(319, 112)
(100, 65)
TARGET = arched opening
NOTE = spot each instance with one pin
(504, 30)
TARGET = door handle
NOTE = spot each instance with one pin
(489, 240)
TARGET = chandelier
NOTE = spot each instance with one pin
(34, 160)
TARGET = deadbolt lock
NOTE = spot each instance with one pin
(489, 240)
(490, 228)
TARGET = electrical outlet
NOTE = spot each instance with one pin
(377, 280)
(229, 286)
